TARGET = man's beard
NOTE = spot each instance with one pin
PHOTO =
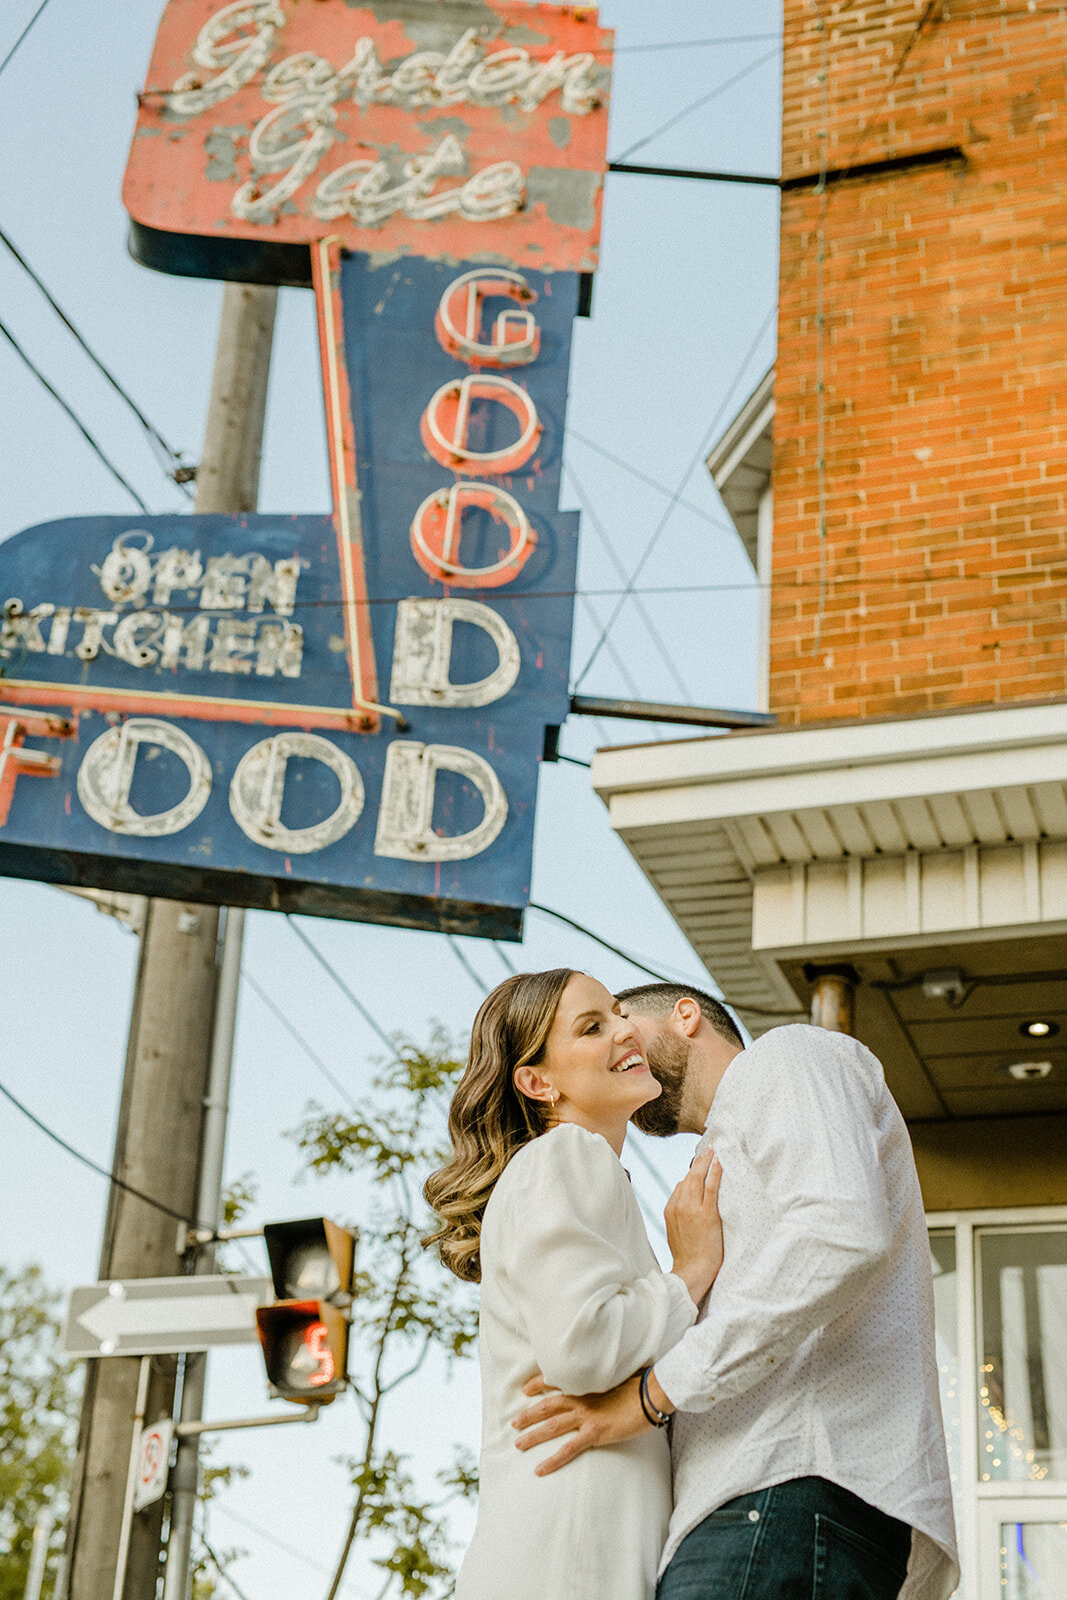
(668, 1060)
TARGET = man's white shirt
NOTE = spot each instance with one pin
(814, 1353)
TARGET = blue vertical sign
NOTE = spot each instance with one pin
(186, 703)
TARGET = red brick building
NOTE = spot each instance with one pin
(936, 256)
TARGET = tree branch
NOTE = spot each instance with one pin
(411, 1371)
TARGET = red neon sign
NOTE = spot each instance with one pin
(287, 121)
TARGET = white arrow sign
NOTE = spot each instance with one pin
(162, 1316)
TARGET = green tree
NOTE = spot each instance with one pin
(38, 1408)
(406, 1305)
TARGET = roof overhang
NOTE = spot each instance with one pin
(897, 846)
(740, 464)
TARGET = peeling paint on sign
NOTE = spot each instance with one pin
(434, 128)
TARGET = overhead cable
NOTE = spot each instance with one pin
(653, 483)
(23, 34)
(272, 1538)
(153, 433)
(294, 1033)
(478, 982)
(639, 606)
(642, 966)
(695, 105)
(72, 414)
(94, 1166)
(389, 1044)
(846, 581)
(505, 959)
(699, 455)
(696, 44)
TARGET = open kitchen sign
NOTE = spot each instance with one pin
(448, 129)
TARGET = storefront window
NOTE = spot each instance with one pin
(1022, 1418)
(1033, 1560)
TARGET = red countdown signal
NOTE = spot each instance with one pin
(304, 1334)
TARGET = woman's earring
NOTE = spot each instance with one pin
(555, 1097)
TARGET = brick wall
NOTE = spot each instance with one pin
(943, 580)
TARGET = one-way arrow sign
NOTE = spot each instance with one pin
(162, 1316)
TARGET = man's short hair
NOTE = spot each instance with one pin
(660, 999)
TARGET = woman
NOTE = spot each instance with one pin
(536, 1205)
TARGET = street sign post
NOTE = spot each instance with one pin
(163, 1316)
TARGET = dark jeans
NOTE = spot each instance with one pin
(802, 1540)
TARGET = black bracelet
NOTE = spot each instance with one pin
(653, 1414)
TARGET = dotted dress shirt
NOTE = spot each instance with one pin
(814, 1352)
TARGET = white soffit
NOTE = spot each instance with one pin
(701, 816)
(740, 464)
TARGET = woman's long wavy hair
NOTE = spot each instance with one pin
(489, 1119)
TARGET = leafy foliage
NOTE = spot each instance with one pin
(38, 1401)
(405, 1304)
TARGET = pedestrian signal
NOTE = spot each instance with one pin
(304, 1333)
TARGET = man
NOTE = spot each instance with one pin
(808, 1448)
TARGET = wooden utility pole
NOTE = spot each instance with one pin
(157, 1146)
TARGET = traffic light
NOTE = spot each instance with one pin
(304, 1334)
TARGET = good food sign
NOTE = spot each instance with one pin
(338, 714)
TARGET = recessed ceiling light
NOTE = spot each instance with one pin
(1039, 1029)
(1029, 1071)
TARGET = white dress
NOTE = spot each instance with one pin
(570, 1287)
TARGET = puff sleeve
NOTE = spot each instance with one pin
(590, 1317)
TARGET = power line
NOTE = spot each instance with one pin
(696, 44)
(505, 959)
(154, 436)
(94, 1166)
(862, 582)
(23, 34)
(294, 1033)
(72, 414)
(342, 985)
(705, 99)
(642, 611)
(699, 456)
(643, 477)
(635, 961)
(479, 983)
(272, 1538)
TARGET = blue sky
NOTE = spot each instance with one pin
(688, 281)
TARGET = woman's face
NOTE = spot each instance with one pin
(594, 1059)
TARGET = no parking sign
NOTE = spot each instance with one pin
(153, 1466)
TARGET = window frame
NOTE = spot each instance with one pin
(984, 1506)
